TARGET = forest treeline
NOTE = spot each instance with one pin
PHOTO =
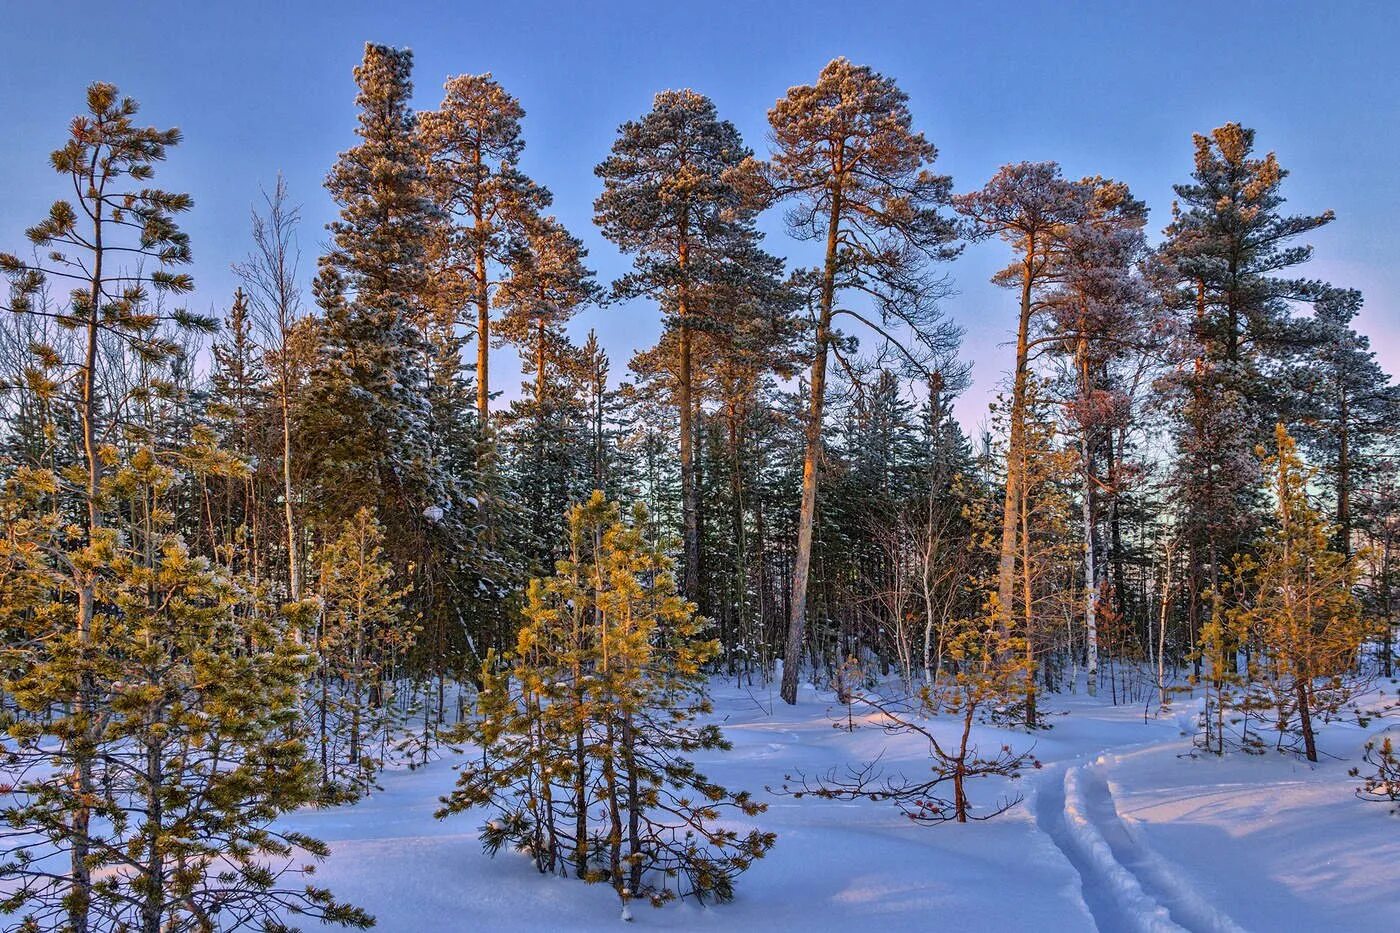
(250, 559)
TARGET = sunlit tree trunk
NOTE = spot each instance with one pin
(816, 391)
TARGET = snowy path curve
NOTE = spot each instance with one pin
(1127, 887)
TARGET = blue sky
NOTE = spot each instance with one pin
(1105, 88)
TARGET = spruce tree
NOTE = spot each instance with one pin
(382, 418)
(603, 405)
(1351, 405)
(238, 386)
(1378, 514)
(548, 284)
(367, 391)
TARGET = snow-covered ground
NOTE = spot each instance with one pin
(1121, 829)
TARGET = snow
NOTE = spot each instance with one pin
(1123, 829)
(1115, 893)
(1288, 829)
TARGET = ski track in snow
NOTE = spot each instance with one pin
(1127, 886)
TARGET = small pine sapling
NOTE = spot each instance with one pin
(584, 733)
(190, 731)
(1383, 784)
(1295, 613)
(986, 666)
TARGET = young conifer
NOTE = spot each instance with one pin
(585, 737)
(1296, 610)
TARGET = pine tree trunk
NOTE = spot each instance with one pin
(356, 700)
(80, 899)
(1016, 442)
(153, 871)
(1028, 600)
(599, 388)
(634, 809)
(806, 520)
(1305, 718)
(580, 776)
(1091, 590)
(690, 503)
(537, 485)
(1343, 478)
(321, 727)
(580, 789)
(547, 838)
(483, 320)
(1387, 616)
(613, 805)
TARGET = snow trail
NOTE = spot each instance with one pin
(1114, 898)
(1157, 878)
(1127, 887)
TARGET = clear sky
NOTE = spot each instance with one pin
(1111, 88)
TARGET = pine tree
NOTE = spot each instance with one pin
(1227, 245)
(1228, 241)
(119, 248)
(1030, 206)
(188, 737)
(1297, 611)
(672, 197)
(874, 461)
(846, 153)
(585, 736)
(472, 145)
(1047, 556)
